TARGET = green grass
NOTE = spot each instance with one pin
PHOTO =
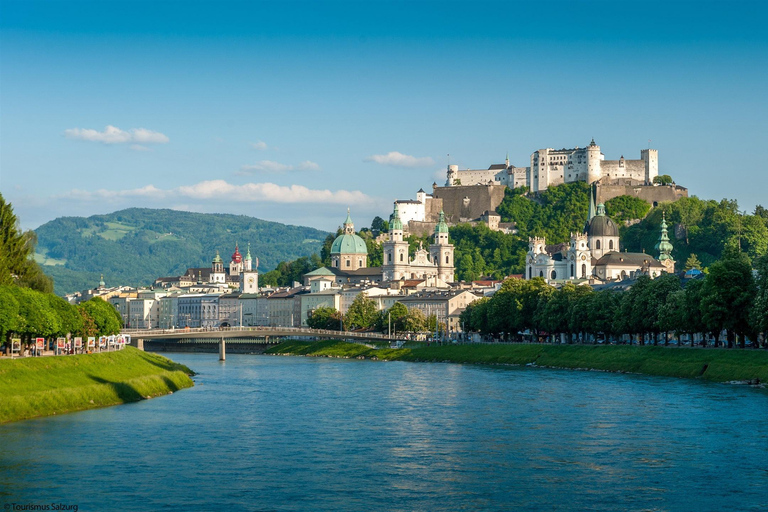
(41, 257)
(718, 365)
(115, 231)
(32, 387)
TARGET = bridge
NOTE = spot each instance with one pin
(242, 337)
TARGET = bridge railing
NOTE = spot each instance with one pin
(259, 330)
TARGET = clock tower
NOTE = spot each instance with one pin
(249, 281)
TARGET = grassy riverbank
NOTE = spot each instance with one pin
(42, 386)
(718, 365)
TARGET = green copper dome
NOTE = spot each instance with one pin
(349, 244)
(217, 259)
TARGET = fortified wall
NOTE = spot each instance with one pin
(652, 194)
(465, 203)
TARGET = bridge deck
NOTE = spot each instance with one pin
(253, 333)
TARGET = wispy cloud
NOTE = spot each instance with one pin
(269, 166)
(259, 145)
(114, 135)
(139, 147)
(220, 189)
(397, 159)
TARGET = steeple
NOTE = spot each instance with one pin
(102, 284)
(592, 211)
(664, 246)
(441, 226)
(349, 227)
(248, 254)
(395, 223)
(507, 159)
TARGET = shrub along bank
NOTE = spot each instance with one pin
(42, 386)
(716, 365)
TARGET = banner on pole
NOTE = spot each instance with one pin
(40, 343)
(78, 342)
(91, 342)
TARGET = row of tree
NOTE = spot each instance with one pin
(728, 299)
(27, 314)
(363, 314)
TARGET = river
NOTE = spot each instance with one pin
(266, 433)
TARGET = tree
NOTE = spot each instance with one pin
(325, 317)
(759, 314)
(16, 250)
(362, 313)
(692, 263)
(664, 179)
(105, 317)
(623, 208)
(378, 226)
(728, 293)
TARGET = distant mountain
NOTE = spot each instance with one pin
(137, 245)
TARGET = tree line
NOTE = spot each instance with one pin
(728, 299)
(363, 314)
(28, 314)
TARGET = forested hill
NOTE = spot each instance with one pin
(137, 245)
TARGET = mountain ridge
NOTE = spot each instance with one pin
(134, 246)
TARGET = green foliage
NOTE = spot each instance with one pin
(137, 245)
(727, 299)
(554, 213)
(759, 314)
(325, 318)
(705, 228)
(663, 179)
(362, 313)
(624, 208)
(692, 263)
(728, 295)
(479, 251)
(17, 265)
(288, 272)
(29, 314)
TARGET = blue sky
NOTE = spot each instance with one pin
(294, 111)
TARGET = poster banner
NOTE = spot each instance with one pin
(91, 342)
(40, 343)
(61, 342)
(16, 345)
(78, 342)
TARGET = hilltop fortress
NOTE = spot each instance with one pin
(472, 195)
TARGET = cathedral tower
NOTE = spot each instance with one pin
(441, 251)
(395, 265)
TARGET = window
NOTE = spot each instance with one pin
(446, 259)
(389, 258)
(541, 273)
(610, 244)
(349, 262)
(553, 275)
(572, 270)
(401, 256)
(584, 271)
(530, 271)
(597, 244)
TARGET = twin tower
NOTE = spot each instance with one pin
(438, 263)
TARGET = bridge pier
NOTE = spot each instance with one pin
(222, 350)
(140, 344)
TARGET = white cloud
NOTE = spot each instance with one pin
(222, 190)
(308, 165)
(139, 147)
(259, 145)
(269, 166)
(397, 159)
(114, 135)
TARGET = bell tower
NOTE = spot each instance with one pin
(396, 263)
(441, 251)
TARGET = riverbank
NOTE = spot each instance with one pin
(717, 365)
(43, 386)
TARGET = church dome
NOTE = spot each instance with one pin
(349, 244)
(602, 225)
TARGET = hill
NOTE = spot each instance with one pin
(137, 245)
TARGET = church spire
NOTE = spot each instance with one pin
(592, 210)
(349, 227)
(664, 246)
